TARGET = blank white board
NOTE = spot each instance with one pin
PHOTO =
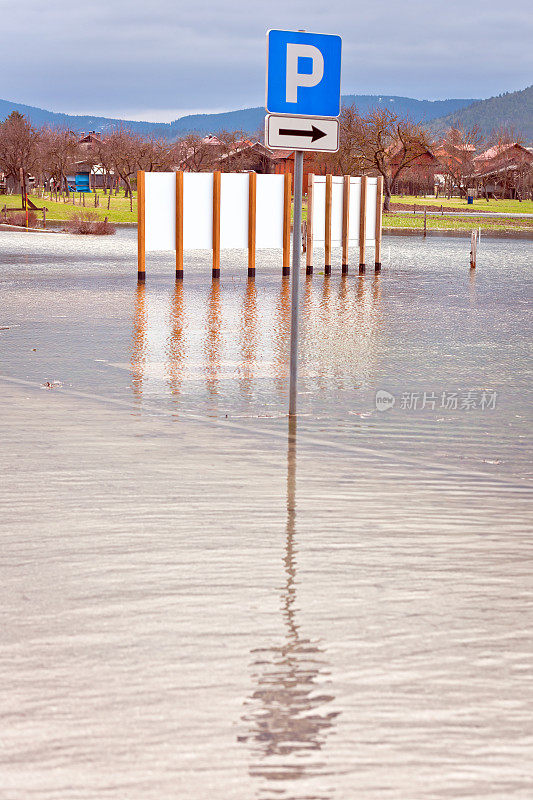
(234, 190)
(354, 209)
(371, 196)
(319, 209)
(197, 210)
(269, 212)
(337, 185)
(160, 210)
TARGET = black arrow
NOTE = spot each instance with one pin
(314, 133)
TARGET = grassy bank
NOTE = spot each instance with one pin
(460, 204)
(119, 210)
(466, 223)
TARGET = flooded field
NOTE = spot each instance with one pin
(197, 601)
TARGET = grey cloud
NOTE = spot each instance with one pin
(113, 54)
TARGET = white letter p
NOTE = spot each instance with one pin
(295, 78)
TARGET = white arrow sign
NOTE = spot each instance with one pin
(301, 133)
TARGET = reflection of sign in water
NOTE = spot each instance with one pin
(287, 713)
(204, 341)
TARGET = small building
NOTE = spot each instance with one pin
(88, 141)
(249, 156)
(504, 171)
(313, 164)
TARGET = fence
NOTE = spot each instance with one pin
(183, 211)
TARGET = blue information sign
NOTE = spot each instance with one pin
(303, 74)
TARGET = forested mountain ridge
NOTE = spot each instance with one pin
(247, 119)
(510, 110)
(251, 119)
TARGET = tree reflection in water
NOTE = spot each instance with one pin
(286, 714)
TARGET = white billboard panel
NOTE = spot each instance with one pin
(160, 210)
(269, 212)
(197, 210)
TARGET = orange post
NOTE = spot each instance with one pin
(252, 191)
(362, 226)
(141, 229)
(216, 225)
(345, 223)
(309, 242)
(287, 198)
(379, 215)
(327, 235)
(179, 225)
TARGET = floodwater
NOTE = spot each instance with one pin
(198, 602)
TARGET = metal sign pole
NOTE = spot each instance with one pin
(301, 121)
(295, 278)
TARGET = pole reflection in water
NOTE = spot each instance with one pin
(281, 334)
(287, 713)
(343, 295)
(213, 341)
(472, 287)
(248, 335)
(176, 341)
(138, 341)
(376, 292)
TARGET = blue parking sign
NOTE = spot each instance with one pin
(303, 73)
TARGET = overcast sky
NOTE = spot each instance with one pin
(160, 59)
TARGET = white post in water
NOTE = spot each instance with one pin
(295, 278)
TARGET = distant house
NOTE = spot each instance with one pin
(211, 153)
(505, 170)
(87, 141)
(283, 161)
(249, 156)
(418, 177)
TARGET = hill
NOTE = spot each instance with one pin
(40, 116)
(512, 110)
(247, 119)
(251, 119)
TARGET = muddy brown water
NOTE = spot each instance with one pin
(199, 602)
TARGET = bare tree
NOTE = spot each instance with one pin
(234, 153)
(58, 152)
(456, 156)
(19, 143)
(104, 156)
(153, 155)
(381, 142)
(120, 152)
(197, 153)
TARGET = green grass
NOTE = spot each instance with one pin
(466, 223)
(120, 212)
(504, 206)
(60, 211)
